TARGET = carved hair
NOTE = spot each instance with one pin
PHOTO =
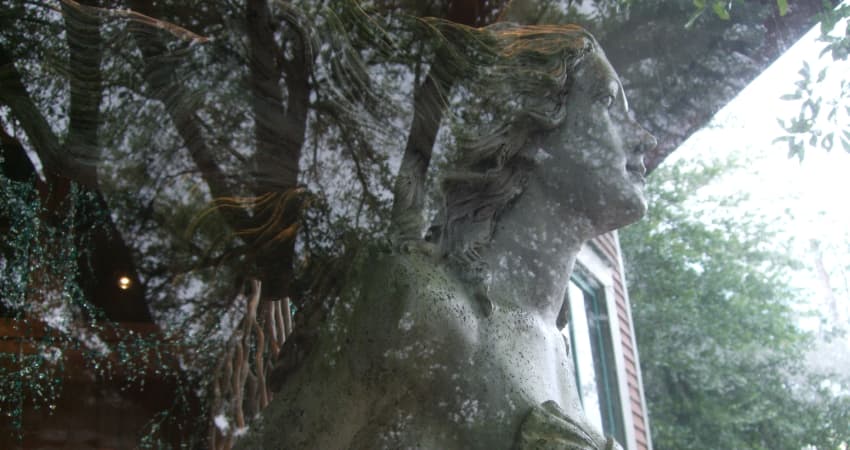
(522, 94)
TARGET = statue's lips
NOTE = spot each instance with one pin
(637, 172)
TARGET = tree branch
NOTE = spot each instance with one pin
(409, 191)
(406, 223)
(16, 164)
(272, 161)
(165, 87)
(85, 54)
(14, 94)
(279, 134)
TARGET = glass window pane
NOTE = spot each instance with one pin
(583, 356)
(593, 355)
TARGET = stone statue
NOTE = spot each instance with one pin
(456, 345)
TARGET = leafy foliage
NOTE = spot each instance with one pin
(809, 129)
(56, 326)
(721, 355)
(723, 9)
(822, 119)
(837, 45)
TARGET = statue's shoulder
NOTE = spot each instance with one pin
(412, 289)
(416, 272)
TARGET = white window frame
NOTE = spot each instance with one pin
(602, 272)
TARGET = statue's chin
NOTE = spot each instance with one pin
(635, 205)
(634, 212)
(638, 211)
(626, 213)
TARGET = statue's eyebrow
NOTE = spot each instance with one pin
(622, 93)
(614, 88)
(617, 86)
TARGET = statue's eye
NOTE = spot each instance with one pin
(606, 100)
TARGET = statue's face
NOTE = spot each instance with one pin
(595, 158)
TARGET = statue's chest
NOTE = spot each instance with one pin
(526, 355)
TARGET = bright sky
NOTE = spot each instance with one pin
(813, 192)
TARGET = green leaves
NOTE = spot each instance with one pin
(720, 10)
(810, 128)
(783, 7)
(837, 45)
(720, 353)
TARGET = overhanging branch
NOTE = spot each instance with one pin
(406, 223)
(14, 94)
(165, 87)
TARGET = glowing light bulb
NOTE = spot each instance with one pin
(124, 283)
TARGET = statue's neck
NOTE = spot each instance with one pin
(531, 256)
